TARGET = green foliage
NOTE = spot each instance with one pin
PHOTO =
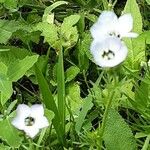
(13, 72)
(87, 105)
(71, 73)
(7, 132)
(136, 46)
(117, 134)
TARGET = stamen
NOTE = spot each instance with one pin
(29, 121)
(108, 55)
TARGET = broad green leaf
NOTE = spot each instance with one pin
(87, 105)
(6, 89)
(6, 29)
(71, 73)
(18, 68)
(133, 8)
(70, 21)
(49, 31)
(8, 57)
(69, 32)
(136, 46)
(61, 89)
(9, 134)
(73, 98)
(117, 134)
(5, 85)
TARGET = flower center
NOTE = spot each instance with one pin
(108, 55)
(29, 121)
(115, 34)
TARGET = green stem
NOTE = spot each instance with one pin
(146, 144)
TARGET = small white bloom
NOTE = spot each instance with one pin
(109, 52)
(30, 119)
(109, 24)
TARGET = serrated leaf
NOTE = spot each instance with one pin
(17, 69)
(71, 73)
(69, 32)
(70, 21)
(73, 98)
(87, 105)
(9, 134)
(49, 31)
(117, 134)
(136, 46)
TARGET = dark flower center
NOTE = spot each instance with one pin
(115, 34)
(108, 55)
(29, 121)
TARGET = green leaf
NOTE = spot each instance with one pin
(49, 102)
(117, 134)
(49, 31)
(132, 7)
(11, 4)
(6, 29)
(8, 57)
(71, 73)
(9, 134)
(69, 33)
(73, 98)
(136, 46)
(6, 89)
(18, 68)
(61, 89)
(87, 105)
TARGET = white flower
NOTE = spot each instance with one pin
(109, 52)
(30, 119)
(109, 24)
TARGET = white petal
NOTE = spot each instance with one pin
(107, 17)
(23, 111)
(41, 122)
(99, 31)
(106, 24)
(31, 131)
(37, 110)
(18, 123)
(125, 23)
(130, 35)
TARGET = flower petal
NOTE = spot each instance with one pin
(41, 122)
(130, 34)
(18, 123)
(125, 24)
(31, 131)
(37, 110)
(107, 17)
(23, 111)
